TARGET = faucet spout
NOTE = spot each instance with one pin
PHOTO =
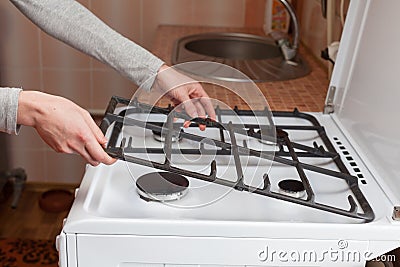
(289, 50)
(295, 22)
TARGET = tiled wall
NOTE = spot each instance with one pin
(32, 60)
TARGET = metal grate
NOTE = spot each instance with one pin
(288, 153)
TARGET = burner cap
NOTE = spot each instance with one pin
(281, 133)
(265, 142)
(162, 186)
(161, 137)
(291, 187)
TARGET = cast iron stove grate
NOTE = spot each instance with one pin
(289, 152)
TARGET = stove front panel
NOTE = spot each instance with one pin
(168, 251)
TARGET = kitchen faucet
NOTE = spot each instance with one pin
(288, 49)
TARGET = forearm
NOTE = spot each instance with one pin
(70, 22)
(9, 109)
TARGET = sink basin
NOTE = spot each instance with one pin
(260, 58)
(234, 47)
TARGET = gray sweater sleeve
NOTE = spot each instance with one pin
(9, 109)
(72, 23)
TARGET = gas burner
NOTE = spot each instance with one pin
(291, 187)
(161, 137)
(280, 134)
(265, 142)
(162, 186)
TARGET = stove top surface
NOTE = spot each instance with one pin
(205, 201)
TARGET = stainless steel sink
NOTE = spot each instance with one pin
(260, 58)
(234, 47)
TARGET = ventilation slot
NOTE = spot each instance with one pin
(350, 160)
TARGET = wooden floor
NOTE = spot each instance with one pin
(28, 221)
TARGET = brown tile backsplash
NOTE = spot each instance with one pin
(107, 83)
(63, 168)
(27, 138)
(178, 12)
(69, 83)
(27, 78)
(32, 160)
(223, 13)
(313, 27)
(122, 15)
(58, 55)
(19, 39)
(153, 14)
(255, 12)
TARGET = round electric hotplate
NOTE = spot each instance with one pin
(162, 186)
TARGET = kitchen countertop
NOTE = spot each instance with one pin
(306, 93)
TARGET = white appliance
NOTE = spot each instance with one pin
(111, 225)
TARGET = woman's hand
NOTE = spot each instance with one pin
(63, 125)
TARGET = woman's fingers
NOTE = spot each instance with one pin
(93, 127)
(208, 106)
(94, 146)
(97, 153)
(85, 154)
(190, 108)
(91, 150)
(202, 114)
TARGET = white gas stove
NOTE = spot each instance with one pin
(308, 190)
